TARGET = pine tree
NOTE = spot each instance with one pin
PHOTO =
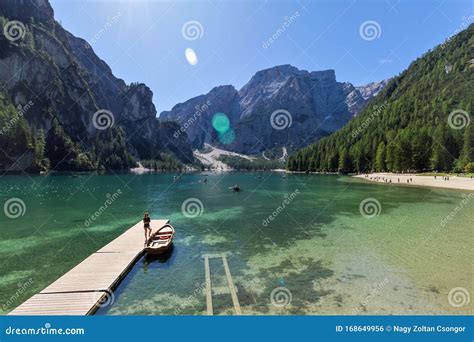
(380, 157)
(344, 161)
(421, 149)
(41, 162)
(389, 157)
(467, 155)
(442, 159)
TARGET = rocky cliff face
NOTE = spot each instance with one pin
(279, 107)
(372, 89)
(195, 115)
(69, 83)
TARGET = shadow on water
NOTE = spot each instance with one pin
(160, 258)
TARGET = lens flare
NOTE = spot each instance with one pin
(227, 137)
(220, 122)
(191, 56)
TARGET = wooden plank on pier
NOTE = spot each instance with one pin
(233, 293)
(208, 286)
(79, 291)
(74, 303)
(99, 272)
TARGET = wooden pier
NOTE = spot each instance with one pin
(82, 290)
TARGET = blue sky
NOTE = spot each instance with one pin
(142, 41)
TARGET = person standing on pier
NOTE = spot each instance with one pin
(146, 225)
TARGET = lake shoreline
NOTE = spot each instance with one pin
(454, 182)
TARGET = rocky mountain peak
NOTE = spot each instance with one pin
(317, 105)
(39, 10)
(324, 75)
(372, 89)
(278, 71)
(224, 90)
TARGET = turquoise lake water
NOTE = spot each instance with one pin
(318, 253)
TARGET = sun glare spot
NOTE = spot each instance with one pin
(191, 56)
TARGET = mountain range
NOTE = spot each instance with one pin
(62, 108)
(279, 107)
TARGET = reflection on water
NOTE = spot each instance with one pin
(309, 253)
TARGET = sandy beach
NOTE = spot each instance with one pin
(454, 182)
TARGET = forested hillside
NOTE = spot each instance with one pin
(422, 120)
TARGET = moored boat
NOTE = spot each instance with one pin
(159, 242)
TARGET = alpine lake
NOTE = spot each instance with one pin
(295, 244)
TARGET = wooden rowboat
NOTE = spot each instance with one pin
(159, 242)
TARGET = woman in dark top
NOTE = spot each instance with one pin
(146, 225)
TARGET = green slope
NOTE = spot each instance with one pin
(421, 121)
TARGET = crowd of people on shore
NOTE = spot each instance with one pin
(440, 180)
(386, 180)
(389, 180)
